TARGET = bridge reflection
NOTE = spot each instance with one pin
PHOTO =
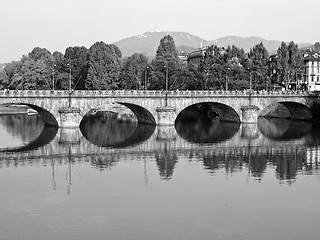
(290, 148)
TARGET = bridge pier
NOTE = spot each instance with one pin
(69, 117)
(69, 136)
(166, 115)
(249, 131)
(166, 133)
(250, 114)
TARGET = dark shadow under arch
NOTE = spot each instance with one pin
(283, 129)
(209, 111)
(288, 110)
(114, 134)
(142, 114)
(206, 132)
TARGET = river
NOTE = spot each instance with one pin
(196, 180)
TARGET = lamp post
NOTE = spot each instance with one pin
(146, 78)
(70, 78)
(166, 76)
(250, 79)
(53, 77)
(69, 64)
(227, 78)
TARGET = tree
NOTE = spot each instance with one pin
(165, 63)
(134, 72)
(104, 66)
(283, 65)
(38, 53)
(11, 71)
(76, 57)
(295, 61)
(32, 74)
(259, 70)
(222, 68)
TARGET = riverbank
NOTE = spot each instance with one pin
(4, 110)
(113, 111)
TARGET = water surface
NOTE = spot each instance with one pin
(191, 181)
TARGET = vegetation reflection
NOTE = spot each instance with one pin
(28, 132)
(206, 131)
(283, 129)
(106, 131)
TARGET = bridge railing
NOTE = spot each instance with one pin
(143, 93)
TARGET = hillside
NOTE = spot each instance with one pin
(148, 43)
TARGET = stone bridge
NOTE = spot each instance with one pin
(66, 109)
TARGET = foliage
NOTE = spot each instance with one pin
(104, 66)
(75, 62)
(289, 62)
(135, 72)
(165, 64)
(259, 57)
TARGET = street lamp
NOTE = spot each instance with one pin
(227, 78)
(166, 75)
(69, 64)
(146, 78)
(54, 65)
(250, 79)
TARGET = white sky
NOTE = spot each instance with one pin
(58, 24)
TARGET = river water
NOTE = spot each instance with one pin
(108, 180)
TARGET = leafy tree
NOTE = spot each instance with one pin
(41, 54)
(283, 64)
(134, 72)
(222, 68)
(259, 70)
(104, 66)
(58, 70)
(31, 75)
(165, 63)
(295, 61)
(317, 46)
(289, 62)
(11, 71)
(76, 57)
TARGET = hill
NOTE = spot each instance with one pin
(148, 43)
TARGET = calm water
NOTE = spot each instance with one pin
(128, 181)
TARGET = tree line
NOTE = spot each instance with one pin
(101, 67)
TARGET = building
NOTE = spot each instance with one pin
(312, 70)
(195, 57)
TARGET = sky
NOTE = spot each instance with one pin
(58, 24)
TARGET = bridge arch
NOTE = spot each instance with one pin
(209, 111)
(288, 110)
(47, 117)
(142, 114)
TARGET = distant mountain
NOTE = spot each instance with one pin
(246, 42)
(148, 43)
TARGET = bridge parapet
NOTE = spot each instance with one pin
(146, 93)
